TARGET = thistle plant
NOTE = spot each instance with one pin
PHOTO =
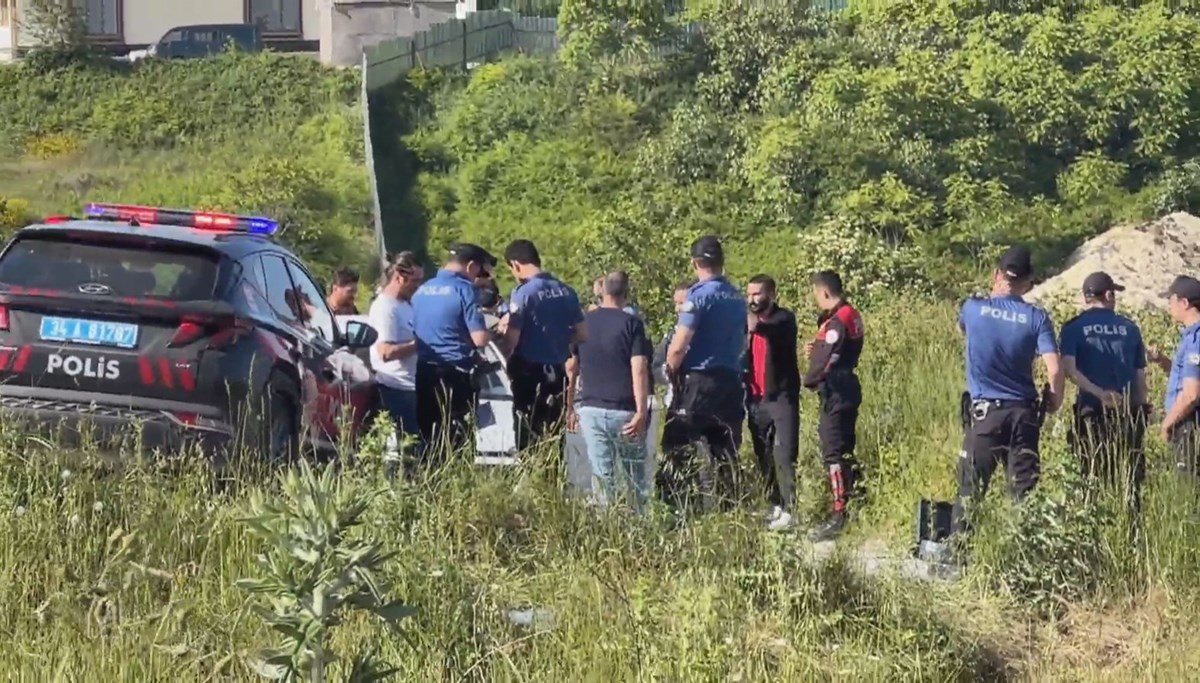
(314, 571)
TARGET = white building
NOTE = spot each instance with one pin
(291, 24)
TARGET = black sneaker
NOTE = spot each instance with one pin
(830, 529)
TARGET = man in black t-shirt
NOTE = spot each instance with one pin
(613, 410)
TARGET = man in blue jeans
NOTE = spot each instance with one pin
(394, 355)
(614, 402)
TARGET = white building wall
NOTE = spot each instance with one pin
(148, 20)
(145, 21)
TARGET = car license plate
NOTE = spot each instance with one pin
(93, 332)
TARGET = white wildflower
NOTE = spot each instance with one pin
(97, 507)
(20, 510)
(74, 520)
(66, 474)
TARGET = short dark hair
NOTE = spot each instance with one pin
(523, 252)
(344, 277)
(765, 280)
(829, 280)
(404, 263)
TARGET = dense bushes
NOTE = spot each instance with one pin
(266, 133)
(927, 132)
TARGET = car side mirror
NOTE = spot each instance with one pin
(360, 335)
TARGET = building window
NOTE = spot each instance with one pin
(276, 17)
(101, 18)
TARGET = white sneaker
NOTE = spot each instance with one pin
(782, 523)
(773, 514)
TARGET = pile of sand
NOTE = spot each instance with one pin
(1144, 258)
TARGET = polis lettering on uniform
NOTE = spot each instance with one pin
(1008, 316)
(436, 290)
(74, 366)
(1110, 330)
(552, 293)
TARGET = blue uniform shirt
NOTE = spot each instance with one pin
(546, 312)
(445, 314)
(1186, 364)
(715, 311)
(1107, 349)
(1004, 336)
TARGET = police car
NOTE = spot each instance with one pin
(174, 327)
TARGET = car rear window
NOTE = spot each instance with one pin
(128, 270)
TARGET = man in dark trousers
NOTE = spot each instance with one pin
(1181, 425)
(704, 364)
(773, 397)
(449, 328)
(544, 320)
(1004, 335)
(832, 358)
(1103, 354)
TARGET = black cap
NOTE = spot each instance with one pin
(1099, 283)
(465, 252)
(708, 247)
(1187, 288)
(1016, 263)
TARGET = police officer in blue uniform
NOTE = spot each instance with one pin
(1181, 425)
(544, 319)
(1103, 354)
(1004, 335)
(704, 365)
(449, 328)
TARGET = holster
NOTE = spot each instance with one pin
(965, 410)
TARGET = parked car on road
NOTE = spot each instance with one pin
(182, 326)
(202, 40)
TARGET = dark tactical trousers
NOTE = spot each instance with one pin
(841, 397)
(999, 433)
(446, 401)
(539, 392)
(1109, 444)
(775, 434)
(705, 415)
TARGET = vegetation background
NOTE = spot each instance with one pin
(901, 143)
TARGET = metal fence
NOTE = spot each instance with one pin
(478, 38)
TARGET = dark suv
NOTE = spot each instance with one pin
(191, 326)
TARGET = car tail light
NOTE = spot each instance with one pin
(3, 317)
(187, 333)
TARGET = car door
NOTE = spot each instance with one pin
(330, 401)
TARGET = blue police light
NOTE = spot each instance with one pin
(147, 215)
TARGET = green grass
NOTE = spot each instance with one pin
(631, 600)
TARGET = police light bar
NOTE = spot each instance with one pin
(142, 215)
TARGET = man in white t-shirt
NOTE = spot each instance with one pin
(394, 355)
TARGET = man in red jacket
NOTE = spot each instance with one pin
(832, 358)
(772, 379)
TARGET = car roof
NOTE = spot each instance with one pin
(233, 244)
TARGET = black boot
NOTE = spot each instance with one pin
(832, 528)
